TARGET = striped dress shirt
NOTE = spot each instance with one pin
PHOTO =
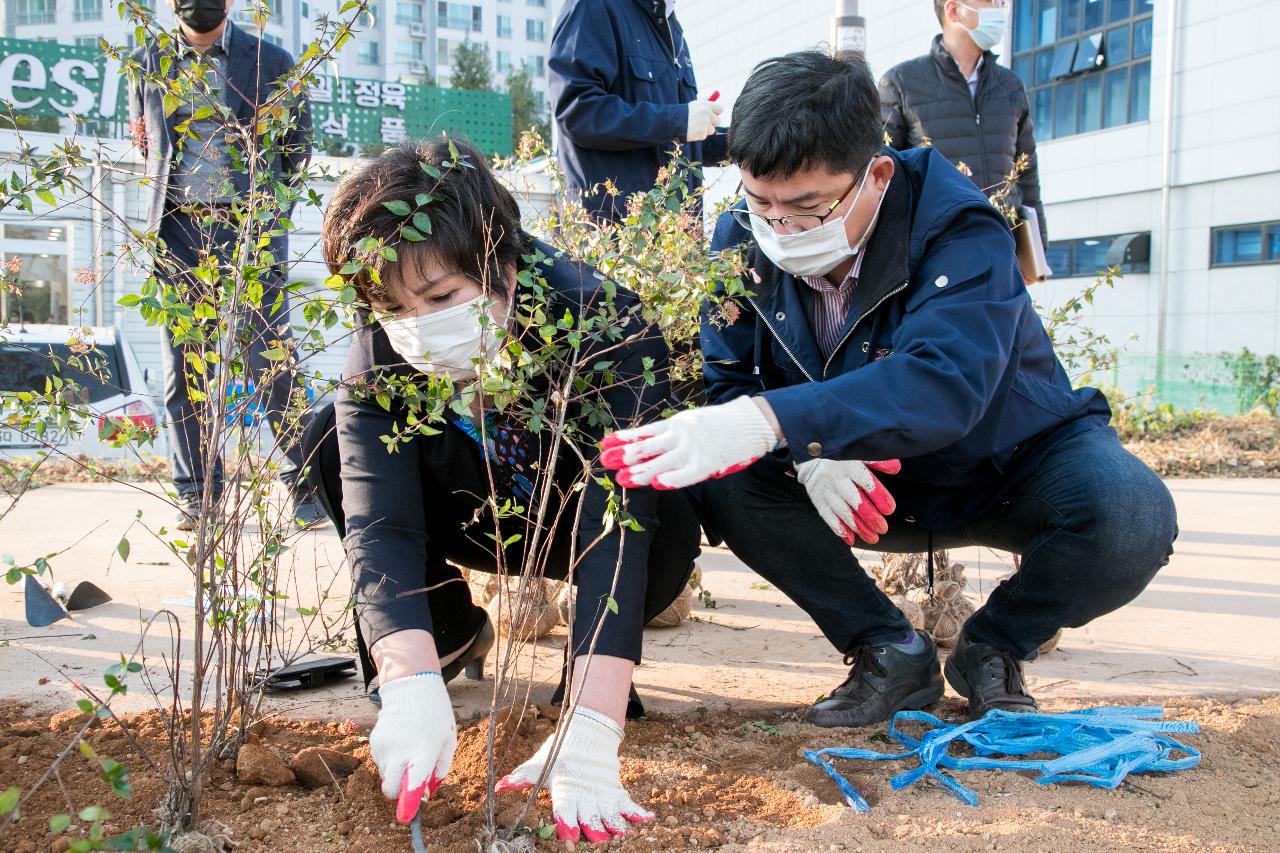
(828, 306)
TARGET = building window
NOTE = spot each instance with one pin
(1240, 245)
(34, 12)
(535, 30)
(460, 16)
(1086, 63)
(367, 53)
(1086, 257)
(504, 26)
(87, 41)
(87, 10)
(408, 12)
(503, 63)
(408, 50)
(444, 51)
(539, 3)
(536, 66)
(306, 11)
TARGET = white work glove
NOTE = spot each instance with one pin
(849, 497)
(695, 445)
(702, 120)
(413, 741)
(585, 782)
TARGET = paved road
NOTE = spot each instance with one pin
(1209, 625)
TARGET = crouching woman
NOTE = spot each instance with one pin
(473, 300)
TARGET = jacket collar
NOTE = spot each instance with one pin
(949, 65)
(885, 268)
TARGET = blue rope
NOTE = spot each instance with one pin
(1097, 746)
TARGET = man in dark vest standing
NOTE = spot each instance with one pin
(193, 181)
(959, 100)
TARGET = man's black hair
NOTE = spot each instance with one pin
(475, 221)
(940, 9)
(806, 110)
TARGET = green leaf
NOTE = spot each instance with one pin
(58, 823)
(413, 235)
(85, 705)
(545, 831)
(171, 102)
(122, 548)
(46, 197)
(398, 207)
(9, 799)
(87, 750)
(612, 604)
(92, 813)
(422, 222)
(384, 400)
(275, 354)
(389, 253)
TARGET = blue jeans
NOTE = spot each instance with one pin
(185, 237)
(1093, 525)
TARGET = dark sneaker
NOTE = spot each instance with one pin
(188, 517)
(988, 678)
(307, 511)
(883, 680)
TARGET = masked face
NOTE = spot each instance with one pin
(818, 250)
(450, 342)
(202, 16)
(992, 23)
(434, 319)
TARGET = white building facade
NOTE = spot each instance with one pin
(1102, 76)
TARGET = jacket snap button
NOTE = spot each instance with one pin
(814, 448)
(910, 519)
(866, 346)
(941, 281)
(650, 75)
(780, 316)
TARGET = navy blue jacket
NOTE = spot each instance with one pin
(621, 77)
(944, 363)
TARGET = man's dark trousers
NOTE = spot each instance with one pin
(186, 237)
(1093, 525)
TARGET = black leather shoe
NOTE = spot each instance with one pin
(882, 681)
(988, 678)
(472, 658)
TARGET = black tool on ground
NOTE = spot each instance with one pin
(312, 673)
(45, 607)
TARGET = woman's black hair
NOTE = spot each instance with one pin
(474, 220)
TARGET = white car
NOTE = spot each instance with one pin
(115, 392)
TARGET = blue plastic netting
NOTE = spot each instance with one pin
(1098, 746)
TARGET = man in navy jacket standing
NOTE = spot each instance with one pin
(888, 321)
(625, 96)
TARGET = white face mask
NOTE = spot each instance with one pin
(818, 250)
(992, 24)
(447, 341)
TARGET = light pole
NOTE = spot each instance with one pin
(848, 29)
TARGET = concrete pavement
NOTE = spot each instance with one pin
(1208, 626)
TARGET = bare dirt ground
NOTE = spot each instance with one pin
(715, 781)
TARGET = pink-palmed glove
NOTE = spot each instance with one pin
(585, 781)
(414, 740)
(849, 497)
(695, 445)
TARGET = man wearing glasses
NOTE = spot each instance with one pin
(887, 321)
(959, 100)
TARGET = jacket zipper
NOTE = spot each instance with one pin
(854, 327)
(779, 339)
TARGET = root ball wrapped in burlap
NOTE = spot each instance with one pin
(528, 620)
